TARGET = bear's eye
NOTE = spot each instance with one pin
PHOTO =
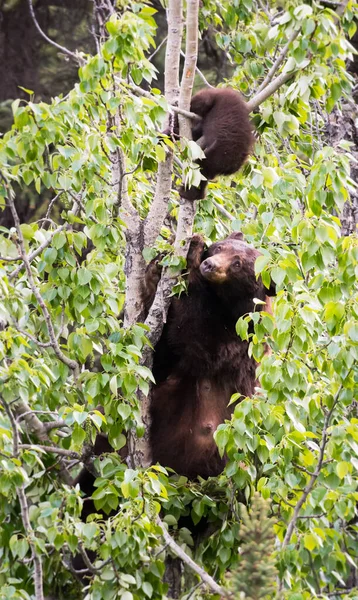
(237, 264)
(218, 248)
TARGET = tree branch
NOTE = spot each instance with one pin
(269, 90)
(139, 449)
(160, 306)
(278, 62)
(34, 424)
(76, 57)
(46, 243)
(178, 551)
(172, 107)
(52, 449)
(72, 364)
(157, 211)
(24, 507)
(314, 475)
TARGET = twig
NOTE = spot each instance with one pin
(8, 259)
(201, 75)
(76, 57)
(87, 561)
(52, 203)
(32, 338)
(52, 449)
(180, 553)
(265, 10)
(158, 47)
(303, 469)
(337, 593)
(313, 516)
(278, 62)
(223, 210)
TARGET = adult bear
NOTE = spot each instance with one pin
(224, 133)
(200, 361)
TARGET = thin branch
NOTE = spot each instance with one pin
(201, 75)
(278, 62)
(269, 90)
(158, 48)
(44, 244)
(76, 57)
(337, 593)
(172, 107)
(34, 424)
(223, 211)
(72, 364)
(32, 338)
(25, 515)
(52, 450)
(303, 469)
(47, 215)
(8, 259)
(313, 516)
(265, 10)
(292, 524)
(180, 553)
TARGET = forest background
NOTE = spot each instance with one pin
(85, 183)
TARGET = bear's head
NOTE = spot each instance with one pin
(231, 264)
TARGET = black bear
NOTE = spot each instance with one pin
(199, 361)
(225, 134)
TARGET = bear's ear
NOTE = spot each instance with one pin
(236, 235)
(272, 289)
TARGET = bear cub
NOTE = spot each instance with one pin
(225, 135)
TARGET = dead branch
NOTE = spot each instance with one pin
(76, 57)
(178, 551)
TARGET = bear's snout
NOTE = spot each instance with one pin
(207, 266)
(214, 269)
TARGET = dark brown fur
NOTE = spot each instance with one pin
(200, 361)
(224, 133)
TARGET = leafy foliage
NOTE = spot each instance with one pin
(295, 441)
